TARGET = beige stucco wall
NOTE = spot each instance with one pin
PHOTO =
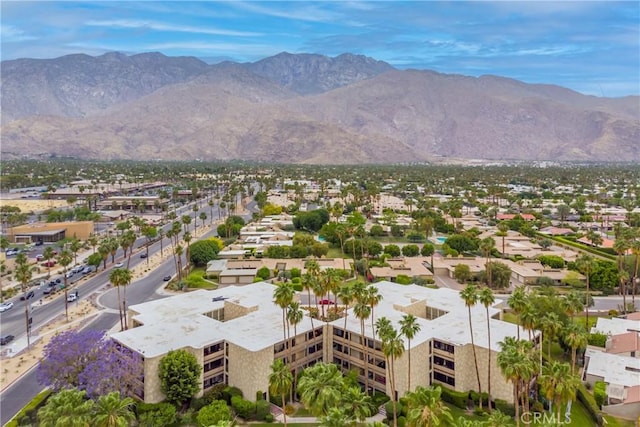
(249, 370)
(80, 229)
(419, 369)
(466, 373)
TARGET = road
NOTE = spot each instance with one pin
(13, 321)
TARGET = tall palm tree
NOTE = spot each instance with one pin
(486, 298)
(294, 317)
(48, 255)
(486, 246)
(576, 338)
(557, 384)
(356, 403)
(585, 265)
(550, 324)
(409, 327)
(529, 318)
(120, 277)
(392, 348)
(362, 311)
(621, 245)
(427, 409)
(113, 411)
(470, 297)
(516, 301)
(517, 363)
(283, 296)
(345, 294)
(373, 298)
(64, 259)
(23, 272)
(280, 382)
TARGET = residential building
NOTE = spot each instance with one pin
(236, 333)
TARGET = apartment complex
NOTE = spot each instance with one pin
(236, 333)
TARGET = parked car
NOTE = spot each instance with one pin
(50, 263)
(39, 257)
(29, 295)
(69, 274)
(86, 270)
(39, 243)
(6, 339)
(5, 306)
(325, 302)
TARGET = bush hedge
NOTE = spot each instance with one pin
(244, 408)
(31, 408)
(600, 393)
(456, 398)
(505, 408)
(590, 404)
(229, 392)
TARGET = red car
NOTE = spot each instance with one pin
(325, 302)
(49, 263)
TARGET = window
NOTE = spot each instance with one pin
(210, 366)
(444, 378)
(439, 361)
(212, 349)
(443, 346)
(338, 332)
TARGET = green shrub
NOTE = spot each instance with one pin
(600, 393)
(505, 407)
(155, 414)
(229, 392)
(456, 398)
(297, 287)
(598, 339)
(589, 403)
(268, 418)
(263, 408)
(212, 414)
(476, 398)
(264, 273)
(402, 421)
(388, 407)
(295, 272)
(244, 408)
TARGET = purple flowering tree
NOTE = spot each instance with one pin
(87, 360)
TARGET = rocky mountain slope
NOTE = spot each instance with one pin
(300, 109)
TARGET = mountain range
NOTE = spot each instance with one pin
(299, 108)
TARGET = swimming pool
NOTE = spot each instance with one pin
(439, 240)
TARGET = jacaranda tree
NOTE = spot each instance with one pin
(87, 360)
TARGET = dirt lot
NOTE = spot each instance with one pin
(33, 205)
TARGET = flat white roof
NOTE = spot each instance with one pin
(616, 326)
(613, 368)
(180, 321)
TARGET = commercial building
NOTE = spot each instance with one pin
(50, 232)
(236, 333)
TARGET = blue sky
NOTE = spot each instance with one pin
(589, 46)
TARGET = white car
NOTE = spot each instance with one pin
(119, 265)
(72, 297)
(5, 306)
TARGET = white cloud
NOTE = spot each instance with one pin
(159, 26)
(9, 33)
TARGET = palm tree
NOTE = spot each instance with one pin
(392, 348)
(572, 303)
(470, 296)
(23, 273)
(283, 296)
(558, 384)
(529, 318)
(68, 407)
(427, 409)
(486, 298)
(187, 239)
(65, 259)
(576, 338)
(294, 317)
(336, 417)
(585, 264)
(280, 382)
(345, 294)
(516, 301)
(550, 324)
(486, 246)
(356, 403)
(409, 327)
(48, 255)
(516, 361)
(120, 277)
(320, 388)
(362, 311)
(113, 411)
(373, 297)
